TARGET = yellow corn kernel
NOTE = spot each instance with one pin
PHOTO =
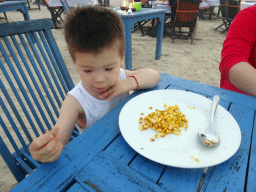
(152, 138)
(140, 122)
(141, 127)
(197, 160)
(157, 136)
(207, 142)
(165, 104)
(150, 107)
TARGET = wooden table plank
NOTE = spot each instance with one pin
(251, 186)
(149, 169)
(182, 180)
(108, 174)
(120, 149)
(209, 90)
(230, 175)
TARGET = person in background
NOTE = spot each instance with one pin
(95, 39)
(174, 4)
(238, 56)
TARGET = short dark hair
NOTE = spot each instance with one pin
(91, 29)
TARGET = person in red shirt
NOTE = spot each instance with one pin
(238, 56)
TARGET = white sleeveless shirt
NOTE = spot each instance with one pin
(94, 108)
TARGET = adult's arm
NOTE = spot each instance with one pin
(237, 47)
(243, 76)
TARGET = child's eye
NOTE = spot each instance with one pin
(109, 69)
(87, 71)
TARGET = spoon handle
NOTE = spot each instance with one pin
(215, 103)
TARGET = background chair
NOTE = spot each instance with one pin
(228, 10)
(185, 17)
(140, 24)
(55, 13)
(34, 82)
(38, 2)
(65, 6)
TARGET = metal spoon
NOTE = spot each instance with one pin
(208, 136)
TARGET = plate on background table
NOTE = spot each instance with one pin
(176, 150)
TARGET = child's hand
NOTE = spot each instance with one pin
(121, 87)
(47, 147)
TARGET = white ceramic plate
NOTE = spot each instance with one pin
(176, 150)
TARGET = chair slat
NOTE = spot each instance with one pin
(57, 55)
(31, 160)
(14, 128)
(53, 62)
(23, 165)
(51, 72)
(31, 75)
(32, 46)
(22, 88)
(9, 159)
(37, 71)
(25, 26)
(17, 114)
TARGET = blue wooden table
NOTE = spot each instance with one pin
(15, 5)
(129, 21)
(101, 160)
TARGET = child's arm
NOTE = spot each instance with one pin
(147, 78)
(48, 147)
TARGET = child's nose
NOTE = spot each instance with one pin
(99, 78)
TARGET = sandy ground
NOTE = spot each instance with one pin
(198, 62)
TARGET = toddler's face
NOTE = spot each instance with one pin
(99, 72)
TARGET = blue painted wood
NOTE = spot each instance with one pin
(15, 169)
(147, 168)
(25, 26)
(120, 149)
(176, 179)
(101, 159)
(129, 21)
(106, 173)
(65, 6)
(77, 187)
(209, 90)
(21, 74)
(230, 175)
(15, 5)
(251, 186)
(93, 141)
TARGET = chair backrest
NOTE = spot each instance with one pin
(65, 6)
(186, 11)
(234, 7)
(34, 82)
(224, 8)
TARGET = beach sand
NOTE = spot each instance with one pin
(198, 62)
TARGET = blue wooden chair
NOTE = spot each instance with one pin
(65, 6)
(34, 82)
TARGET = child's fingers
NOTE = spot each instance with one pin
(52, 151)
(39, 142)
(107, 93)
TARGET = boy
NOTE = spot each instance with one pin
(96, 43)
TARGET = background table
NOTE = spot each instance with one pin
(15, 5)
(129, 21)
(101, 160)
